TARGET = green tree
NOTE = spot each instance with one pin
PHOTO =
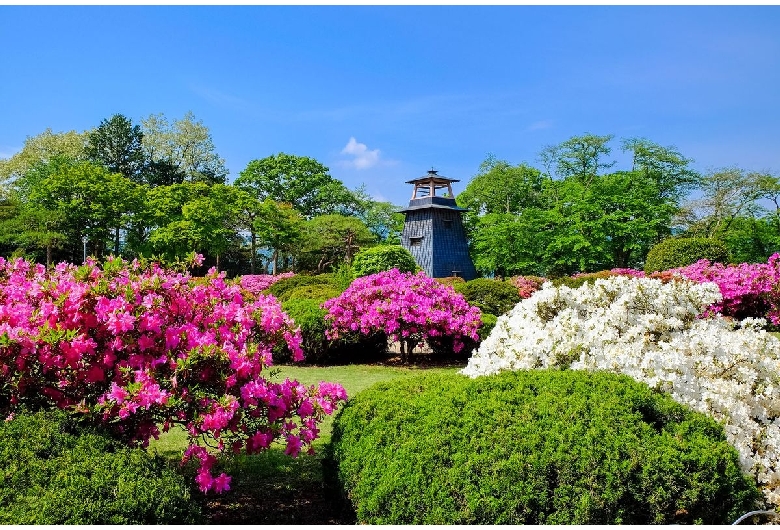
(117, 144)
(329, 240)
(279, 227)
(382, 218)
(89, 199)
(184, 147)
(297, 180)
(664, 165)
(41, 149)
(579, 156)
(499, 187)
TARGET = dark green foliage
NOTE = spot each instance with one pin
(582, 279)
(383, 258)
(55, 472)
(679, 252)
(532, 447)
(317, 348)
(491, 296)
(281, 287)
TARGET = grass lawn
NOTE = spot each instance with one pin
(272, 488)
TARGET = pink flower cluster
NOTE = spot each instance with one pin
(136, 348)
(527, 285)
(257, 283)
(748, 289)
(407, 307)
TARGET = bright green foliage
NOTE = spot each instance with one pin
(488, 323)
(56, 473)
(679, 252)
(299, 181)
(316, 292)
(491, 296)
(282, 287)
(316, 347)
(383, 258)
(538, 447)
(42, 149)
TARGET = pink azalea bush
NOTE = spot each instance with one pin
(527, 285)
(137, 349)
(409, 308)
(748, 289)
(257, 283)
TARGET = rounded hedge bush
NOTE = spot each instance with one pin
(532, 447)
(280, 288)
(317, 291)
(679, 252)
(491, 296)
(383, 258)
(317, 349)
(55, 472)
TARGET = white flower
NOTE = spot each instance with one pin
(649, 330)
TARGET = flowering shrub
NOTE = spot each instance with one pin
(527, 285)
(257, 283)
(138, 348)
(747, 289)
(649, 330)
(407, 307)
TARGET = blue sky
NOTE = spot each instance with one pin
(382, 94)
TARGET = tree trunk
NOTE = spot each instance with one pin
(48, 254)
(254, 253)
(116, 241)
(217, 262)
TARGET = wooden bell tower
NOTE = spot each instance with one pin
(433, 229)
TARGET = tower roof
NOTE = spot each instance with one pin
(432, 176)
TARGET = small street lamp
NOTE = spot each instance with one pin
(84, 240)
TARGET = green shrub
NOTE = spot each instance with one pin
(581, 279)
(679, 252)
(318, 349)
(280, 288)
(452, 281)
(532, 447)
(318, 291)
(488, 323)
(383, 258)
(491, 296)
(55, 472)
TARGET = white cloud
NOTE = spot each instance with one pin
(363, 158)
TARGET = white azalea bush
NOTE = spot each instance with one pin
(650, 330)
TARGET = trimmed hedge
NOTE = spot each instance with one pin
(308, 314)
(318, 291)
(383, 258)
(280, 288)
(532, 447)
(679, 252)
(491, 296)
(55, 472)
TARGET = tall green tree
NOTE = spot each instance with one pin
(117, 144)
(329, 240)
(41, 149)
(279, 227)
(382, 218)
(669, 169)
(579, 156)
(300, 181)
(182, 148)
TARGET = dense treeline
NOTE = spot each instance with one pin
(579, 215)
(158, 190)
